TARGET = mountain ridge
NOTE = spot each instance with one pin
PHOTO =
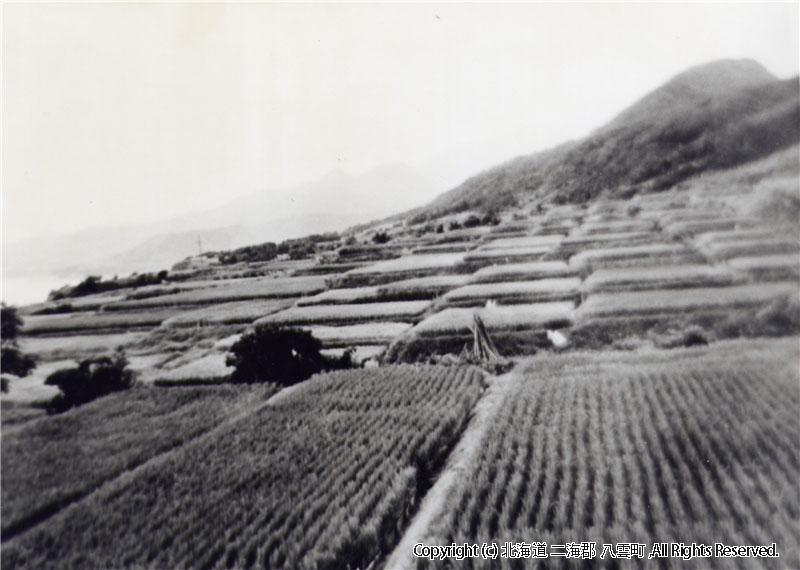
(735, 112)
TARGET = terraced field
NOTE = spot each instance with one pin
(698, 445)
(324, 477)
(51, 462)
(594, 257)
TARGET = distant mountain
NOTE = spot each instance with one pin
(713, 116)
(333, 203)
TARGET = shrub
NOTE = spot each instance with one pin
(491, 219)
(283, 356)
(12, 360)
(10, 322)
(472, 221)
(694, 335)
(93, 378)
(381, 237)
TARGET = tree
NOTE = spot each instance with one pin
(284, 356)
(10, 323)
(12, 359)
(93, 378)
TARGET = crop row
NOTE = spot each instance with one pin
(228, 291)
(56, 459)
(692, 447)
(324, 478)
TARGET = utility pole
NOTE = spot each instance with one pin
(200, 245)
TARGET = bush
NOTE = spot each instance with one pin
(381, 238)
(12, 359)
(283, 356)
(472, 221)
(93, 378)
(692, 336)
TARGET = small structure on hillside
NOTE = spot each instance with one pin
(483, 349)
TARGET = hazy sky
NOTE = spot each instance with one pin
(122, 113)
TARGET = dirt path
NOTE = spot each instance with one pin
(460, 461)
(244, 410)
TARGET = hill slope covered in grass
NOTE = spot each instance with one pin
(710, 117)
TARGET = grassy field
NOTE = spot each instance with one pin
(459, 320)
(515, 292)
(687, 300)
(55, 460)
(658, 277)
(410, 311)
(523, 272)
(696, 445)
(326, 478)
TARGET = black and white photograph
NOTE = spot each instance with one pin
(399, 285)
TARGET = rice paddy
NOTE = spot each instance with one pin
(209, 367)
(237, 313)
(515, 292)
(536, 316)
(229, 291)
(75, 346)
(362, 334)
(341, 296)
(523, 242)
(523, 272)
(687, 300)
(94, 322)
(747, 248)
(648, 254)
(403, 267)
(658, 277)
(410, 311)
(483, 257)
(769, 267)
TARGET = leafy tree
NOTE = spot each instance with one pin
(12, 359)
(93, 378)
(381, 238)
(284, 356)
(472, 221)
(10, 322)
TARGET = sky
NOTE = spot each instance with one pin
(116, 113)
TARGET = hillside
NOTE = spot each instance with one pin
(645, 387)
(713, 116)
